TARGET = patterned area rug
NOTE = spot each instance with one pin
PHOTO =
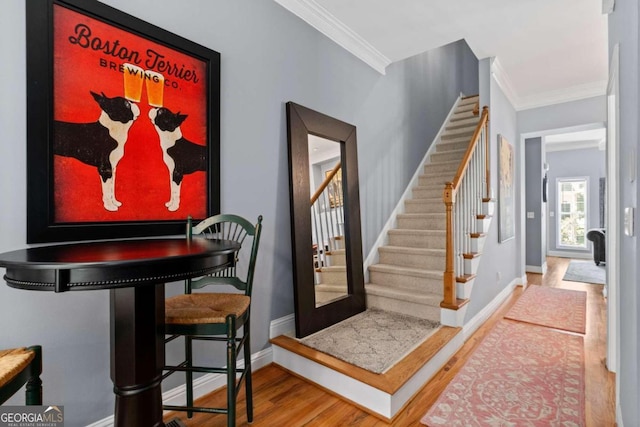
(374, 340)
(556, 308)
(521, 375)
(585, 271)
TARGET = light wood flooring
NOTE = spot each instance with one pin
(283, 399)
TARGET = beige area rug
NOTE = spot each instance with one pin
(374, 340)
(521, 375)
(552, 307)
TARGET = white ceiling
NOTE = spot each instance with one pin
(548, 51)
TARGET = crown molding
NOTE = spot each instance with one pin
(573, 93)
(502, 78)
(320, 19)
(573, 145)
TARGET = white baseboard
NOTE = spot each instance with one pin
(619, 416)
(282, 326)
(567, 254)
(536, 268)
(201, 386)
(470, 327)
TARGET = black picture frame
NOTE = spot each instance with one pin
(41, 225)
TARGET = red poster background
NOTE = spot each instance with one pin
(142, 180)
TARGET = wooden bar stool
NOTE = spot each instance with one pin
(218, 316)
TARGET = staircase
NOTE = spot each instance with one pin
(408, 277)
(331, 279)
(425, 268)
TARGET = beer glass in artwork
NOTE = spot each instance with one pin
(155, 88)
(133, 78)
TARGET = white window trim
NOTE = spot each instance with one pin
(559, 213)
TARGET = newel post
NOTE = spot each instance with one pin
(449, 300)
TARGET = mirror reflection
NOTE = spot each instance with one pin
(327, 220)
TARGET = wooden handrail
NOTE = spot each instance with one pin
(484, 119)
(449, 196)
(326, 182)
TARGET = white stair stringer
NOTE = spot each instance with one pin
(407, 273)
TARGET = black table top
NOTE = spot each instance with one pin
(114, 263)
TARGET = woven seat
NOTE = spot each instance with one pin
(204, 308)
(217, 316)
(20, 366)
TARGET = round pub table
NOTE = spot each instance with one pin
(135, 272)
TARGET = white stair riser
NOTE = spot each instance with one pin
(338, 242)
(477, 243)
(463, 290)
(435, 223)
(407, 282)
(422, 261)
(488, 208)
(430, 206)
(483, 224)
(417, 241)
(454, 318)
(471, 265)
(400, 306)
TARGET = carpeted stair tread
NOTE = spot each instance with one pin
(407, 271)
(424, 205)
(457, 133)
(445, 156)
(469, 121)
(428, 239)
(452, 144)
(435, 178)
(412, 251)
(462, 115)
(328, 287)
(404, 295)
(427, 191)
(335, 268)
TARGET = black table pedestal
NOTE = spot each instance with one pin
(137, 355)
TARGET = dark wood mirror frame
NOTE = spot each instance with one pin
(303, 122)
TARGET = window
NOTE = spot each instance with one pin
(572, 212)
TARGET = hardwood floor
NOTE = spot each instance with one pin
(282, 399)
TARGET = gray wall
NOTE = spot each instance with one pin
(269, 57)
(623, 30)
(588, 162)
(533, 202)
(501, 263)
(564, 115)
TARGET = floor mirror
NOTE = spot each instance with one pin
(325, 219)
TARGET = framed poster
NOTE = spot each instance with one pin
(123, 123)
(506, 191)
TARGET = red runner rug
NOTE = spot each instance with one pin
(521, 375)
(553, 307)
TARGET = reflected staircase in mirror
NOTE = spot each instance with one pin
(408, 266)
(327, 223)
(409, 273)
